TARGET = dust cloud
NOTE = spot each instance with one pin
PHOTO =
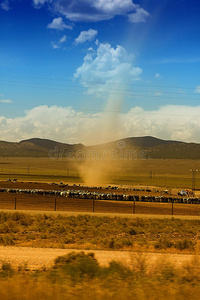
(101, 162)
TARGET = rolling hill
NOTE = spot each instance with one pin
(153, 148)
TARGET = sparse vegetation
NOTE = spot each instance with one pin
(79, 276)
(96, 232)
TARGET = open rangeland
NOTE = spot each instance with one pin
(124, 257)
(142, 251)
(99, 231)
(169, 173)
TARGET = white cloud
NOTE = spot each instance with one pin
(63, 39)
(58, 24)
(157, 75)
(58, 44)
(39, 3)
(84, 36)
(55, 46)
(5, 5)
(94, 11)
(176, 122)
(54, 122)
(6, 101)
(197, 90)
(139, 16)
(106, 66)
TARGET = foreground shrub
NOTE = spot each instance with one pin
(92, 281)
(6, 269)
(78, 265)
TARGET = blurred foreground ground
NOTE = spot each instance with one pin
(36, 258)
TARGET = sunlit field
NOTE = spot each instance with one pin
(154, 172)
(79, 276)
(99, 232)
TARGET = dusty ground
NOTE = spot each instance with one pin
(128, 189)
(36, 258)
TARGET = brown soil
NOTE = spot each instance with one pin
(55, 186)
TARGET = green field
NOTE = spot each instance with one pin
(152, 172)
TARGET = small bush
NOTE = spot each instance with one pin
(69, 239)
(6, 240)
(30, 237)
(127, 242)
(17, 216)
(112, 243)
(119, 269)
(132, 231)
(163, 243)
(184, 244)
(78, 265)
(43, 236)
(6, 269)
(4, 228)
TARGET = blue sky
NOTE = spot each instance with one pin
(67, 68)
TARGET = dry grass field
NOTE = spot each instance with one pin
(111, 227)
(150, 172)
(79, 276)
(102, 232)
(150, 245)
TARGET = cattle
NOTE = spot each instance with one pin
(87, 194)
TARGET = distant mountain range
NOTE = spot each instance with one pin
(154, 148)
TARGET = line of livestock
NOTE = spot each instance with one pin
(82, 194)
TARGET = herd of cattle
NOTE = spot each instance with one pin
(84, 194)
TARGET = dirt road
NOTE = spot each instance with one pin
(36, 258)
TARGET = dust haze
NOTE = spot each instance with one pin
(102, 162)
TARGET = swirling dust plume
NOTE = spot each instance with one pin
(99, 165)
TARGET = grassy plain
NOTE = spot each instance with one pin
(149, 172)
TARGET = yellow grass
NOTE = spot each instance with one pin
(74, 280)
(159, 172)
(110, 215)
